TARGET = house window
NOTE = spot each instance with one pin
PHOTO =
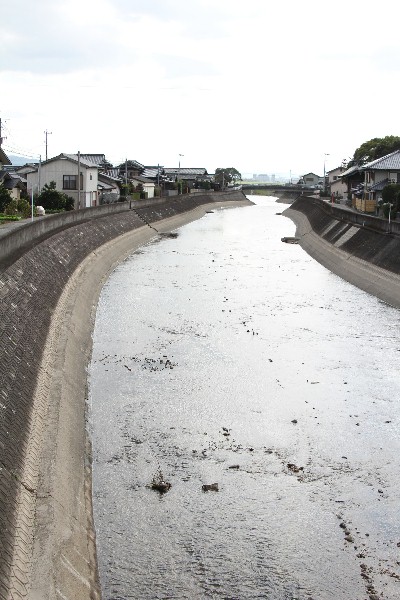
(70, 182)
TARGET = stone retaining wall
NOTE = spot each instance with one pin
(47, 547)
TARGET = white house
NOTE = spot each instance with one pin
(336, 185)
(312, 180)
(73, 175)
(148, 186)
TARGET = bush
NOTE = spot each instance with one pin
(21, 207)
(5, 197)
(391, 195)
(52, 199)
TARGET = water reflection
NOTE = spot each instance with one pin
(225, 356)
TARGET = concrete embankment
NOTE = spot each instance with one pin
(356, 247)
(52, 275)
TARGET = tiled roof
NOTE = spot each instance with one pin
(153, 172)
(378, 187)
(74, 157)
(132, 164)
(386, 163)
(111, 174)
(195, 172)
(141, 179)
(350, 171)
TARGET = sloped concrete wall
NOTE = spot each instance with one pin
(358, 250)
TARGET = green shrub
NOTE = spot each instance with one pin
(5, 197)
(18, 207)
(52, 199)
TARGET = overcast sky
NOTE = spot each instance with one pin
(265, 87)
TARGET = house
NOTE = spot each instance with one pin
(73, 175)
(336, 186)
(14, 183)
(366, 182)
(147, 185)
(130, 168)
(312, 180)
(109, 186)
(190, 176)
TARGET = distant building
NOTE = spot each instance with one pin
(312, 180)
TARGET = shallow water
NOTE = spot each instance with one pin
(206, 348)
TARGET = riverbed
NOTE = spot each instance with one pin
(224, 356)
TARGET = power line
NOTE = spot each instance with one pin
(21, 152)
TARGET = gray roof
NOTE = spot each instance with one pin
(132, 164)
(111, 174)
(350, 171)
(74, 157)
(386, 163)
(153, 172)
(195, 172)
(141, 179)
(378, 187)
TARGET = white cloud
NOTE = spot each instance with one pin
(261, 86)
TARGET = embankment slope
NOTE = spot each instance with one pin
(359, 254)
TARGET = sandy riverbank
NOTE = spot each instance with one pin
(64, 557)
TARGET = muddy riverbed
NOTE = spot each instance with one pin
(226, 356)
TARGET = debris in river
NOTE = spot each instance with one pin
(159, 484)
(212, 487)
(294, 421)
(170, 234)
(234, 467)
(292, 467)
(290, 240)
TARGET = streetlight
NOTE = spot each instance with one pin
(325, 155)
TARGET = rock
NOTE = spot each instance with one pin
(294, 421)
(349, 539)
(212, 487)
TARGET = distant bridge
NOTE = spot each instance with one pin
(281, 190)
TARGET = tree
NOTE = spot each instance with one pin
(52, 199)
(5, 198)
(391, 198)
(375, 148)
(228, 175)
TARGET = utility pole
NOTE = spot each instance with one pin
(325, 188)
(47, 133)
(179, 172)
(79, 179)
(1, 137)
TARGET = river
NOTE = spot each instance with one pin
(226, 356)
